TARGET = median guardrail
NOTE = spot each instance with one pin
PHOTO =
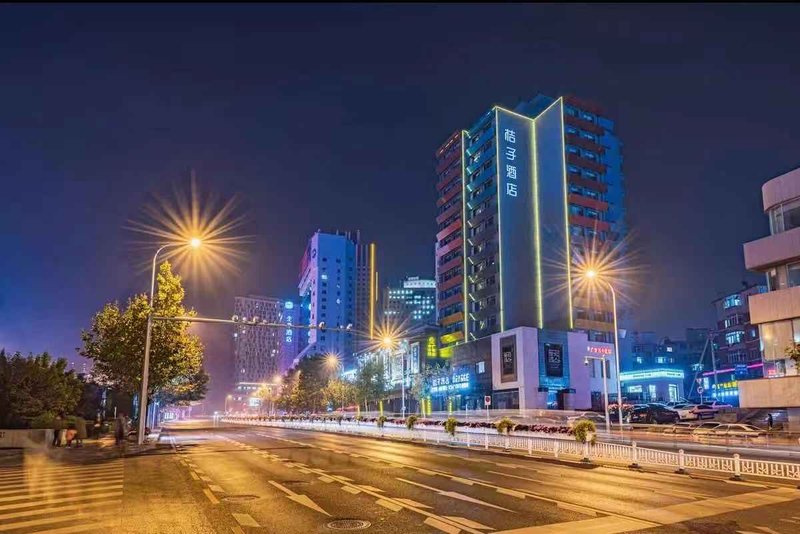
(552, 445)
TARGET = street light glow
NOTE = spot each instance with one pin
(195, 242)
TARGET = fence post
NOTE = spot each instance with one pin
(508, 445)
(555, 448)
(681, 463)
(634, 456)
(468, 440)
(530, 447)
(437, 438)
(586, 458)
(737, 467)
(486, 441)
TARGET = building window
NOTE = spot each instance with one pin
(732, 301)
(481, 367)
(793, 274)
(732, 338)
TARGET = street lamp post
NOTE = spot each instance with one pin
(194, 243)
(595, 275)
(227, 398)
(388, 342)
(605, 386)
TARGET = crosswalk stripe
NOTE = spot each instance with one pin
(59, 469)
(59, 492)
(44, 521)
(65, 474)
(93, 496)
(52, 509)
(27, 487)
(105, 526)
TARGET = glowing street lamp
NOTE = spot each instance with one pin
(194, 242)
(593, 275)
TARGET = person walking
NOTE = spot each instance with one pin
(120, 429)
(80, 431)
(770, 421)
(58, 423)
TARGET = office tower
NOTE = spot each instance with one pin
(259, 351)
(410, 303)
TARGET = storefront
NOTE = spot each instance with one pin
(653, 385)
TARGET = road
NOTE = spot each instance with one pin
(245, 479)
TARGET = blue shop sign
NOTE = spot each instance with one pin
(456, 381)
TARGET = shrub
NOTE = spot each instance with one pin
(381, 421)
(505, 426)
(450, 425)
(339, 419)
(43, 420)
(582, 429)
(411, 420)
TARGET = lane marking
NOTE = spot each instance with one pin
(456, 495)
(42, 494)
(216, 489)
(106, 525)
(194, 475)
(393, 506)
(43, 521)
(512, 493)
(325, 479)
(237, 529)
(205, 478)
(211, 496)
(59, 484)
(350, 489)
(462, 481)
(246, 520)
(441, 525)
(300, 499)
(468, 522)
(412, 502)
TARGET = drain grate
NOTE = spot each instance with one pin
(240, 498)
(348, 524)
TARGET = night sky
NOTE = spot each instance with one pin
(328, 117)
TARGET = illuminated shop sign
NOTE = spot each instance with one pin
(605, 351)
(458, 381)
(647, 375)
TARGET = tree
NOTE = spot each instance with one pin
(35, 385)
(115, 342)
(422, 382)
(185, 389)
(339, 393)
(370, 382)
(793, 352)
(303, 387)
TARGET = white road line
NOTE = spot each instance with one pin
(93, 524)
(211, 496)
(24, 487)
(441, 525)
(58, 492)
(245, 520)
(389, 504)
(216, 489)
(351, 490)
(456, 495)
(53, 509)
(44, 521)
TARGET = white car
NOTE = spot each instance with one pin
(685, 411)
(704, 429)
(705, 411)
(719, 404)
(737, 430)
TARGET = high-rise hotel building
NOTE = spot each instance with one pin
(338, 286)
(521, 193)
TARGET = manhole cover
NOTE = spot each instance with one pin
(240, 498)
(348, 524)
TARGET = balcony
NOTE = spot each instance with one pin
(455, 243)
(481, 178)
(485, 273)
(484, 312)
(452, 318)
(489, 249)
(455, 208)
(584, 124)
(761, 254)
(455, 262)
(593, 203)
(449, 229)
(452, 282)
(775, 306)
(477, 201)
(588, 222)
(449, 301)
(485, 155)
(442, 164)
(448, 196)
(488, 211)
(582, 142)
(592, 165)
(594, 185)
(453, 173)
(488, 134)
(488, 290)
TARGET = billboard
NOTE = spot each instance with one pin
(554, 359)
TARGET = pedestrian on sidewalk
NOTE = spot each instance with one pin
(769, 421)
(120, 429)
(80, 431)
(58, 424)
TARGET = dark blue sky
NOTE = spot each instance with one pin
(326, 116)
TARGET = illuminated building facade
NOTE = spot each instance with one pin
(519, 194)
(338, 287)
(411, 303)
(260, 353)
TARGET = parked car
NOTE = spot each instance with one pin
(704, 411)
(653, 414)
(704, 429)
(685, 411)
(680, 428)
(719, 404)
(738, 430)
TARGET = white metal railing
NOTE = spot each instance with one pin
(551, 444)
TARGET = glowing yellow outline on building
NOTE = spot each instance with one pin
(537, 237)
(566, 212)
(464, 232)
(373, 281)
(499, 215)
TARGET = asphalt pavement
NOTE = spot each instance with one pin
(274, 480)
